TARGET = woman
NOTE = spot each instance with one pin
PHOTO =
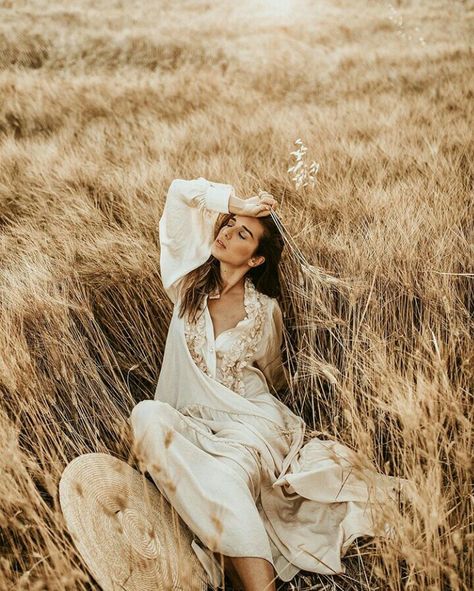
(224, 451)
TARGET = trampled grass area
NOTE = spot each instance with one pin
(102, 105)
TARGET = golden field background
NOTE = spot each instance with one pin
(102, 105)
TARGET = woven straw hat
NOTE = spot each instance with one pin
(125, 530)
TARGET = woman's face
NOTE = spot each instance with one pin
(237, 241)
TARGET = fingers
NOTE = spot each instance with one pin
(264, 210)
(267, 199)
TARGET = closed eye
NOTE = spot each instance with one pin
(240, 233)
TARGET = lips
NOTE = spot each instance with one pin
(220, 243)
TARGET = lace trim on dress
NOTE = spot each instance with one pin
(233, 361)
(195, 333)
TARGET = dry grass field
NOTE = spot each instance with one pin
(102, 105)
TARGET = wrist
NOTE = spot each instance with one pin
(236, 205)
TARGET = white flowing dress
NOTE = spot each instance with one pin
(219, 445)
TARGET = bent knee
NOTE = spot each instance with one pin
(139, 413)
(149, 412)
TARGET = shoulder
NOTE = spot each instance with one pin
(273, 311)
(266, 308)
(267, 302)
(272, 303)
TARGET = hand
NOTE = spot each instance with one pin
(258, 206)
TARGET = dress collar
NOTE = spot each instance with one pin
(252, 305)
(250, 298)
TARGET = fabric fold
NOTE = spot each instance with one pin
(212, 567)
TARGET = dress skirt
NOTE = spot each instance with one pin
(236, 471)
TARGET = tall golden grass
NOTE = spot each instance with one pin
(102, 105)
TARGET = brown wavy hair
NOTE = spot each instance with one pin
(206, 278)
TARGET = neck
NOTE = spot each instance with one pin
(233, 278)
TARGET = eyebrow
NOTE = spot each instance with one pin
(244, 227)
(247, 230)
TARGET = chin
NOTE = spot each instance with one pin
(216, 252)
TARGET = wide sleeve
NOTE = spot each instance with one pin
(270, 361)
(186, 227)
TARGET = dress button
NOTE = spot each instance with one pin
(211, 349)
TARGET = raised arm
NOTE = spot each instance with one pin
(186, 227)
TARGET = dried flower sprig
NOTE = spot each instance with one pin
(304, 175)
(397, 20)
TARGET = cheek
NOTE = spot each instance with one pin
(246, 249)
(242, 249)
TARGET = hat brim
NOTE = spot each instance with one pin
(127, 533)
